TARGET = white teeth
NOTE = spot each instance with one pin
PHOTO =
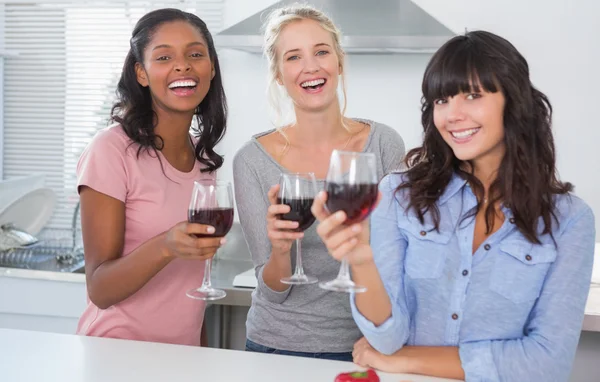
(179, 84)
(464, 134)
(312, 83)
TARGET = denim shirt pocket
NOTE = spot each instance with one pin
(425, 253)
(520, 269)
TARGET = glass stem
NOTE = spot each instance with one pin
(206, 280)
(344, 273)
(299, 269)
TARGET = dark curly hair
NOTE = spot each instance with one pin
(133, 109)
(527, 180)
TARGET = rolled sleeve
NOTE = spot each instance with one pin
(380, 337)
(268, 293)
(478, 362)
(389, 246)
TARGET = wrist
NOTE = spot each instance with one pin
(405, 361)
(394, 363)
(280, 254)
(363, 259)
(163, 248)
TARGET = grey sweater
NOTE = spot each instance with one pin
(303, 318)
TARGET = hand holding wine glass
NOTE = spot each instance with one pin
(297, 191)
(343, 241)
(352, 193)
(211, 204)
(181, 241)
(281, 233)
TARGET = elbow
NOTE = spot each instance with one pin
(99, 299)
(273, 296)
(388, 349)
(388, 344)
(101, 303)
(554, 368)
(547, 372)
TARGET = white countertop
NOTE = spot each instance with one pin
(42, 275)
(591, 320)
(37, 356)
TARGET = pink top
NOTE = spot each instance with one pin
(154, 202)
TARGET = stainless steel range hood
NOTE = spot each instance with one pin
(368, 27)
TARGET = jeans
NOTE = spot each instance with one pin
(254, 347)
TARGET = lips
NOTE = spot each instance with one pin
(183, 87)
(464, 136)
(313, 86)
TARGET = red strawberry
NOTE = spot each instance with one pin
(358, 376)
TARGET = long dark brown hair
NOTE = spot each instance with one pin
(527, 180)
(133, 109)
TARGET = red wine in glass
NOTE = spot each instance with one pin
(351, 187)
(356, 200)
(211, 204)
(299, 212)
(298, 191)
(219, 218)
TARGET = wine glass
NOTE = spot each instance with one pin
(211, 204)
(351, 187)
(298, 191)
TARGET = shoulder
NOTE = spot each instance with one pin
(569, 209)
(254, 156)
(386, 141)
(247, 153)
(386, 134)
(111, 138)
(389, 188)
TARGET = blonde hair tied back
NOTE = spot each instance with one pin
(276, 21)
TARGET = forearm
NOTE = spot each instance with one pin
(435, 361)
(115, 280)
(277, 267)
(374, 304)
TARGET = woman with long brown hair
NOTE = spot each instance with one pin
(480, 258)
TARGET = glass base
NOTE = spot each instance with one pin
(206, 294)
(341, 285)
(299, 280)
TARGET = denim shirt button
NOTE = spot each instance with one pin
(487, 247)
(455, 316)
(528, 257)
(465, 272)
(423, 233)
(512, 220)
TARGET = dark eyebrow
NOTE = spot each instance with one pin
(188, 45)
(316, 45)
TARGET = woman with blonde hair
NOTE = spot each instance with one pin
(306, 61)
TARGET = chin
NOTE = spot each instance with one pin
(179, 108)
(318, 106)
(465, 155)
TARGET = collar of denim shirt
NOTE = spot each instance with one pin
(456, 184)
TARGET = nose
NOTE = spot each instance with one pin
(182, 66)
(311, 65)
(455, 112)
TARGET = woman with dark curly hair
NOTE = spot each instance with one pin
(480, 258)
(135, 181)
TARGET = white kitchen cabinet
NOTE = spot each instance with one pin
(41, 301)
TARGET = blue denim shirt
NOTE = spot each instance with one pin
(514, 309)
